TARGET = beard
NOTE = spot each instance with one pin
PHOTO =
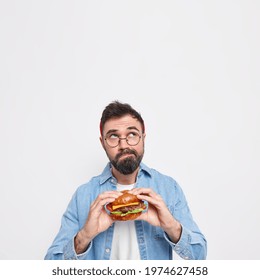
(128, 164)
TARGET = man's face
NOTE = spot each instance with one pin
(124, 157)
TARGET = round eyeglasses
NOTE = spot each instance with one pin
(132, 139)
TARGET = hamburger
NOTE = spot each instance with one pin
(126, 207)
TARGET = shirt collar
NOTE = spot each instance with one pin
(107, 174)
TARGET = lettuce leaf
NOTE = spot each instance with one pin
(129, 212)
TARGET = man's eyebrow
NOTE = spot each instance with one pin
(111, 131)
(133, 127)
(128, 128)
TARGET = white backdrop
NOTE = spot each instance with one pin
(190, 67)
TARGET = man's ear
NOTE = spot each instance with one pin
(101, 141)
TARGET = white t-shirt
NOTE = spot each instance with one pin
(124, 244)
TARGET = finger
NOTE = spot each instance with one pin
(147, 198)
(155, 200)
(105, 195)
(143, 216)
(98, 208)
(147, 191)
(100, 203)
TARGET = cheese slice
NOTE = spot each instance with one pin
(123, 205)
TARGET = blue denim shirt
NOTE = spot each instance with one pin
(153, 242)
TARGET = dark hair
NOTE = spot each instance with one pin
(117, 109)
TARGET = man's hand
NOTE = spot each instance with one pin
(158, 214)
(98, 221)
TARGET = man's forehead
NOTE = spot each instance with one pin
(122, 123)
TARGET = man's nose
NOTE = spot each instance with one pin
(123, 143)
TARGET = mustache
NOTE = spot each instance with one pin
(126, 152)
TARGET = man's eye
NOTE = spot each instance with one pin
(132, 134)
(113, 136)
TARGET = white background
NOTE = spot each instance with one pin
(190, 67)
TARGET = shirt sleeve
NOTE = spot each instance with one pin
(62, 247)
(186, 248)
(70, 253)
(192, 244)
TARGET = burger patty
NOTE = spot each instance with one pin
(131, 207)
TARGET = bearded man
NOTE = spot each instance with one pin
(88, 231)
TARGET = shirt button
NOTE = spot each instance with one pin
(107, 250)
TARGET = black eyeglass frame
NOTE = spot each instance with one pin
(123, 138)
